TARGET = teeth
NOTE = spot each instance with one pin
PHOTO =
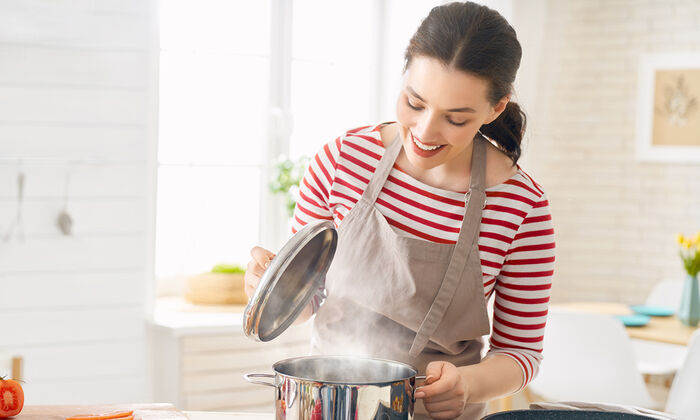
(423, 146)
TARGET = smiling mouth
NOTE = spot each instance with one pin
(423, 146)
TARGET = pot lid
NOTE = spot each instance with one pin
(291, 280)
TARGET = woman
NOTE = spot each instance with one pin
(433, 218)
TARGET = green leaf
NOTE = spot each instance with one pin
(228, 268)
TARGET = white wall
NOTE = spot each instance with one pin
(77, 97)
(615, 218)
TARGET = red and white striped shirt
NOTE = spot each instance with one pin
(516, 239)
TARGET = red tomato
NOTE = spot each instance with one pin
(11, 398)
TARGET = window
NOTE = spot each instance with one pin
(332, 66)
(214, 66)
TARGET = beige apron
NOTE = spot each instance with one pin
(402, 298)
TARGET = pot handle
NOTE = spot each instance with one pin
(248, 377)
(421, 378)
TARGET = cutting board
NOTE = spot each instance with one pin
(60, 412)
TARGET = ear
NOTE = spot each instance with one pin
(497, 109)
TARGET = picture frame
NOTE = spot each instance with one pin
(668, 108)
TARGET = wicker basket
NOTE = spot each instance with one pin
(215, 289)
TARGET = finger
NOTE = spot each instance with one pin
(433, 371)
(448, 405)
(262, 256)
(445, 415)
(445, 396)
(441, 386)
(254, 268)
(251, 279)
(250, 285)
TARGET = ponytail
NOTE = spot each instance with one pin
(507, 130)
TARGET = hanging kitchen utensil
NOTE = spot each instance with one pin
(64, 221)
(17, 224)
(291, 280)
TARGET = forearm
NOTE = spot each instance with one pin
(493, 377)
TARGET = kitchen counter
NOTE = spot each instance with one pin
(203, 353)
(211, 415)
(180, 318)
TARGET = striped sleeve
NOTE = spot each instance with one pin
(313, 202)
(522, 292)
(314, 189)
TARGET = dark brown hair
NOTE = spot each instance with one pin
(477, 40)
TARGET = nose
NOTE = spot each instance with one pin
(426, 128)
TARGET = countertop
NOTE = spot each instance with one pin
(181, 318)
(210, 415)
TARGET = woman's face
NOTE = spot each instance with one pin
(440, 111)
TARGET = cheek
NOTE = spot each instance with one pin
(404, 115)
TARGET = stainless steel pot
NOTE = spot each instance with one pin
(341, 388)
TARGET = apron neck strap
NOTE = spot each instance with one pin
(478, 171)
(378, 179)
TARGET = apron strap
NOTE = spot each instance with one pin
(468, 236)
(378, 179)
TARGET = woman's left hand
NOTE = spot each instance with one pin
(445, 392)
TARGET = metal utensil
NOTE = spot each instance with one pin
(64, 221)
(18, 223)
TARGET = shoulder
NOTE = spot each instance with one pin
(361, 142)
(499, 167)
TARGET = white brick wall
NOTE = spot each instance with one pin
(615, 217)
(76, 97)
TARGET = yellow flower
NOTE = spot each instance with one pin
(695, 240)
(680, 238)
(687, 244)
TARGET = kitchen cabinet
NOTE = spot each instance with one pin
(201, 353)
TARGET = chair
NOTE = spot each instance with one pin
(10, 366)
(653, 357)
(666, 293)
(684, 397)
(588, 357)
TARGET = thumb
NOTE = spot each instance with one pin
(433, 372)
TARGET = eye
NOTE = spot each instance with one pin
(456, 123)
(413, 107)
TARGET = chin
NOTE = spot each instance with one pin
(423, 163)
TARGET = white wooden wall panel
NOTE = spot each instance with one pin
(86, 253)
(71, 142)
(34, 327)
(77, 96)
(111, 358)
(98, 390)
(75, 289)
(73, 105)
(73, 67)
(86, 181)
(61, 26)
(106, 216)
(117, 6)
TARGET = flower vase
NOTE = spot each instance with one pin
(689, 312)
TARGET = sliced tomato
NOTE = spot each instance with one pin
(116, 415)
(11, 398)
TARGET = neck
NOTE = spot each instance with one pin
(453, 175)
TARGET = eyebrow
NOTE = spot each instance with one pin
(465, 109)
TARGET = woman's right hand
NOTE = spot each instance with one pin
(256, 267)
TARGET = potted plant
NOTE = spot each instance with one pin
(286, 176)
